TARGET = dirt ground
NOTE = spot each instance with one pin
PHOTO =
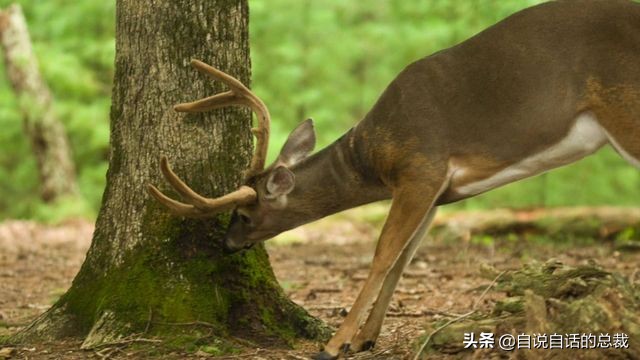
(321, 267)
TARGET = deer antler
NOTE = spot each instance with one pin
(238, 95)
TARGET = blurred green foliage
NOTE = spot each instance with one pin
(75, 45)
(328, 60)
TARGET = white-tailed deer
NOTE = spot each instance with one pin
(540, 89)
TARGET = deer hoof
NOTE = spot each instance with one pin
(367, 345)
(324, 356)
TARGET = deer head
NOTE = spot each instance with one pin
(259, 205)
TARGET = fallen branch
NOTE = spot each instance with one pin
(421, 313)
(191, 323)
(592, 222)
(125, 341)
(106, 353)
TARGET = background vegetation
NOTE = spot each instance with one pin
(328, 60)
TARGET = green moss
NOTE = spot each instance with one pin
(213, 350)
(484, 240)
(187, 339)
(305, 325)
(552, 297)
(173, 289)
(552, 280)
(513, 305)
(4, 333)
(179, 274)
(283, 331)
(628, 234)
(186, 278)
(190, 339)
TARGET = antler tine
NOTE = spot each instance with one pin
(238, 95)
(198, 206)
(233, 83)
(183, 189)
(174, 206)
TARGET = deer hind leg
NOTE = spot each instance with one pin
(627, 143)
(368, 335)
(618, 111)
(409, 211)
(624, 137)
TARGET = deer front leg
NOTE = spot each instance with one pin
(367, 336)
(409, 212)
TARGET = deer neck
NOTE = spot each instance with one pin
(334, 179)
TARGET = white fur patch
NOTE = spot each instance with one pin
(584, 138)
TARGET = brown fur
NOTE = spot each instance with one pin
(508, 93)
(618, 110)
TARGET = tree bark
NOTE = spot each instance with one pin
(46, 133)
(146, 268)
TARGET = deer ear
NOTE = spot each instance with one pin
(280, 182)
(299, 144)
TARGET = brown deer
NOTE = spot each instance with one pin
(538, 90)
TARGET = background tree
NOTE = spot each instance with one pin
(354, 46)
(147, 269)
(46, 133)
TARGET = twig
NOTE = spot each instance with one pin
(325, 307)
(484, 293)
(191, 323)
(105, 353)
(126, 341)
(243, 342)
(208, 335)
(325, 290)
(415, 274)
(358, 277)
(297, 357)
(421, 313)
(424, 345)
(373, 355)
(241, 356)
(146, 328)
(438, 312)
(406, 314)
(400, 334)
(409, 291)
(461, 317)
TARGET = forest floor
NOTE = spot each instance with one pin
(321, 267)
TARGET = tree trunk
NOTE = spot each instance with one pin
(46, 134)
(146, 268)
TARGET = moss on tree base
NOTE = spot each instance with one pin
(164, 287)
